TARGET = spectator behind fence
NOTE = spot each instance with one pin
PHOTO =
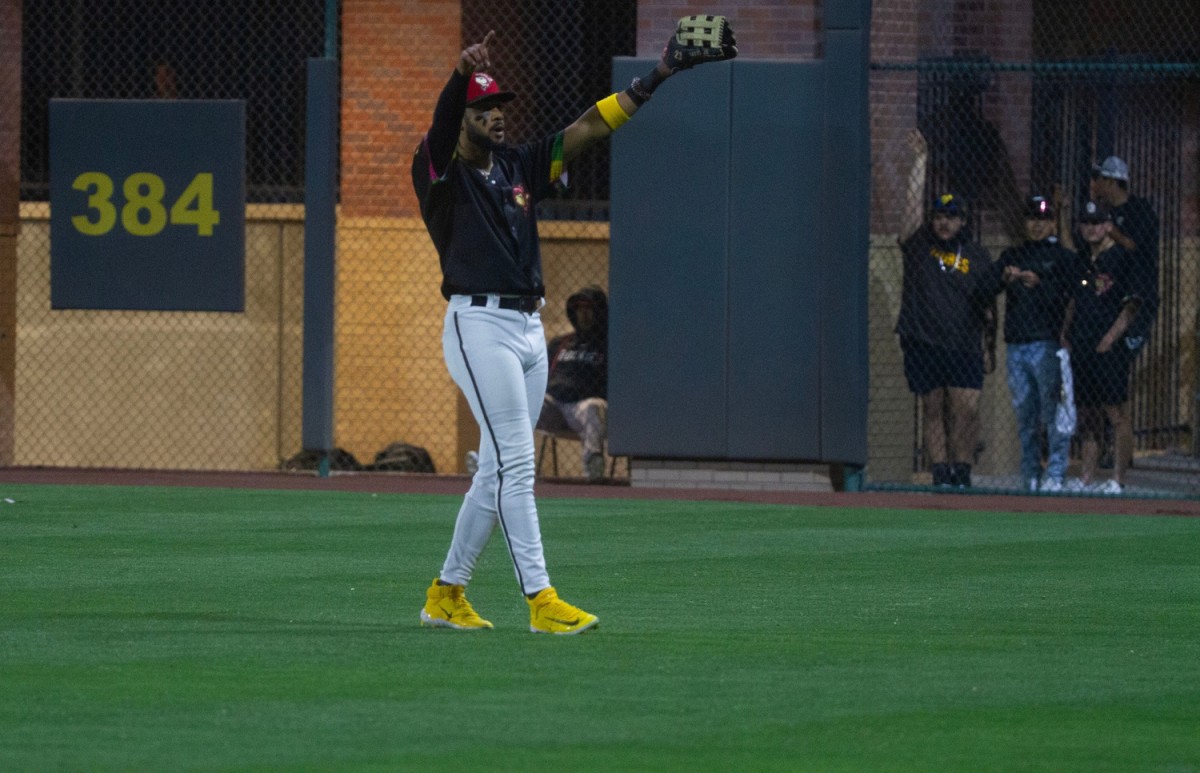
(1136, 228)
(1037, 278)
(946, 312)
(577, 387)
(1103, 306)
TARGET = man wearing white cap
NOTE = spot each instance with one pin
(1135, 227)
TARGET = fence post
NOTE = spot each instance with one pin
(320, 199)
(10, 216)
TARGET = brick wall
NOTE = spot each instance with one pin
(396, 57)
(893, 105)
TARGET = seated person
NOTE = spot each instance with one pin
(577, 386)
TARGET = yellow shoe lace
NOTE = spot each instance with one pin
(463, 610)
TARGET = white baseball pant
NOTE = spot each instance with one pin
(498, 358)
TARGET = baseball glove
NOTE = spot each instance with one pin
(700, 39)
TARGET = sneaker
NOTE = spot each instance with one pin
(550, 614)
(960, 475)
(446, 606)
(941, 474)
(1033, 484)
(471, 462)
(1051, 485)
(1075, 484)
(1109, 487)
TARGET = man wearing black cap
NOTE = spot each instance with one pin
(478, 197)
(1038, 279)
(946, 312)
(1103, 305)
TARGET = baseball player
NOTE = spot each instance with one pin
(478, 196)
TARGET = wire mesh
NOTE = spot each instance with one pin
(1009, 105)
(1013, 98)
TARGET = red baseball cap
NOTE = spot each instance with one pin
(483, 92)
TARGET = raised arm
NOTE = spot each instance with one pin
(452, 103)
(914, 200)
(591, 127)
(1066, 219)
(697, 39)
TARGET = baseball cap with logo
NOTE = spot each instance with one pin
(1039, 208)
(949, 204)
(1095, 212)
(483, 92)
(1112, 167)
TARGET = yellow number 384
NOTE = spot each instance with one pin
(144, 213)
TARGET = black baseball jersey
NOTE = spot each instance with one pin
(1109, 281)
(483, 226)
(946, 292)
(579, 360)
(1036, 313)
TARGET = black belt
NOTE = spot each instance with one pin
(524, 303)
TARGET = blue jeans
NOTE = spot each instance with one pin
(1034, 378)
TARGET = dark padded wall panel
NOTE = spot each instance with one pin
(846, 14)
(846, 181)
(667, 274)
(775, 260)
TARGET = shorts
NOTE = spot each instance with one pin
(928, 367)
(1102, 379)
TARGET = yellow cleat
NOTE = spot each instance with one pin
(446, 606)
(550, 614)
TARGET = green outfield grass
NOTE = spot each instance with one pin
(206, 629)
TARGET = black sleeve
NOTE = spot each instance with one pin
(1064, 272)
(991, 271)
(442, 138)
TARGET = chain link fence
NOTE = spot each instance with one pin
(223, 391)
(986, 108)
(392, 383)
(182, 390)
(1013, 99)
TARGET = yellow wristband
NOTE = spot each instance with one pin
(611, 111)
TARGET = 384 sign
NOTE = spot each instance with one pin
(144, 213)
(147, 205)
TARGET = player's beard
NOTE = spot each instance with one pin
(483, 139)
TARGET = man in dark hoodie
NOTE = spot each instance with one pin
(577, 387)
(946, 312)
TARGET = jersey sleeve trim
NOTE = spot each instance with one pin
(434, 177)
(556, 158)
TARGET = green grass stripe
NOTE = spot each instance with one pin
(213, 629)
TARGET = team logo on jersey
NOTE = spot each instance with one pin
(952, 261)
(521, 198)
(1102, 283)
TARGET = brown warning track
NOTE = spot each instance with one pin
(400, 483)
